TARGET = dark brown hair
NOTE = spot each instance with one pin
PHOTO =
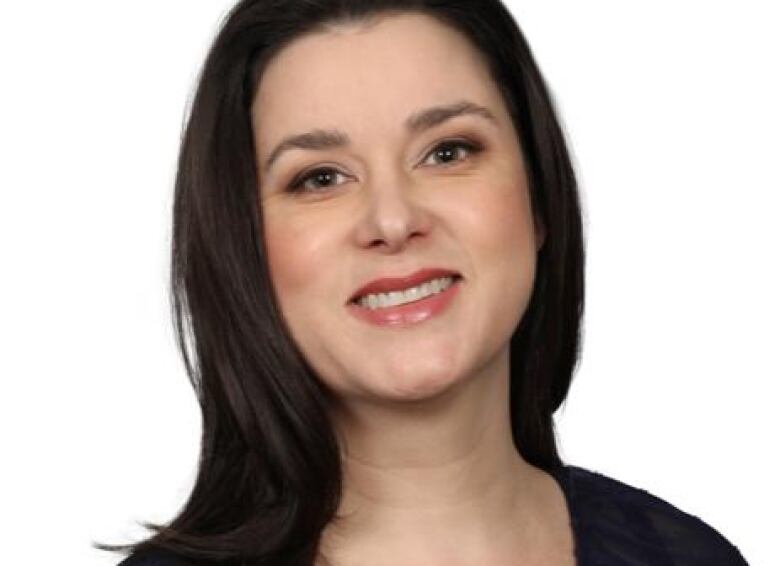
(269, 476)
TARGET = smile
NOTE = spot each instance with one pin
(384, 300)
(408, 307)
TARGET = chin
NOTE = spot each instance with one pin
(416, 384)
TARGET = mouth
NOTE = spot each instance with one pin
(397, 291)
(409, 307)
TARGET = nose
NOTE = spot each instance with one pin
(391, 216)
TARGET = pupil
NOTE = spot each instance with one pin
(447, 152)
(323, 177)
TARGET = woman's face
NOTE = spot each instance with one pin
(385, 199)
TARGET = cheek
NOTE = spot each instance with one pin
(503, 253)
(295, 254)
(501, 224)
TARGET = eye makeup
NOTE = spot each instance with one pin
(302, 183)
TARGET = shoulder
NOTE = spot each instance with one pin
(153, 558)
(611, 518)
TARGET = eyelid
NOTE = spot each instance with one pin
(472, 145)
(306, 174)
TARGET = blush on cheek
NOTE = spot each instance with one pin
(285, 262)
(299, 253)
(501, 217)
(502, 229)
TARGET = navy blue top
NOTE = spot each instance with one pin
(614, 524)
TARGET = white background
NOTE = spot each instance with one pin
(672, 112)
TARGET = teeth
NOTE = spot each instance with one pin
(395, 298)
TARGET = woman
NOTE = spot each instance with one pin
(378, 287)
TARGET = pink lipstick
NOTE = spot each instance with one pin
(388, 284)
(417, 310)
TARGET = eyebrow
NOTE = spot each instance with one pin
(421, 120)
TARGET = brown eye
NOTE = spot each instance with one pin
(321, 179)
(315, 180)
(449, 151)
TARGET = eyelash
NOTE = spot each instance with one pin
(298, 185)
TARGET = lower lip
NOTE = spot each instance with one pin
(410, 313)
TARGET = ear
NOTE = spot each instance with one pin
(540, 233)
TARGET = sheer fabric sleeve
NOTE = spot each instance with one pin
(619, 525)
(154, 558)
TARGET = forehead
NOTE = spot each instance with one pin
(369, 77)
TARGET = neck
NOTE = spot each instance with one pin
(420, 475)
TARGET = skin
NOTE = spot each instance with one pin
(431, 475)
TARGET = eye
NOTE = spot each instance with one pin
(320, 179)
(448, 150)
(315, 180)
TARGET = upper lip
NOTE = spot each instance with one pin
(388, 284)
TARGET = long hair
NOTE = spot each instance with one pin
(269, 477)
